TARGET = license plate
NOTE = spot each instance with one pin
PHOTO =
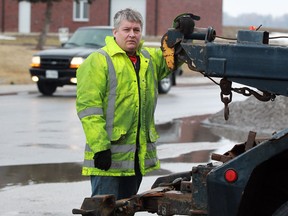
(53, 74)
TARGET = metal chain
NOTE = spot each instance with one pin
(226, 101)
(266, 96)
(226, 94)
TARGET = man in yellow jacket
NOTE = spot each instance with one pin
(117, 89)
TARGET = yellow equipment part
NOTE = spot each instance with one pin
(168, 53)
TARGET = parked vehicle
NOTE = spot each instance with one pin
(54, 68)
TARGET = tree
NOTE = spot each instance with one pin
(47, 20)
(46, 26)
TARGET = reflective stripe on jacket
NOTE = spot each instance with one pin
(109, 103)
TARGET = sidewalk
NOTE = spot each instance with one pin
(32, 88)
(16, 89)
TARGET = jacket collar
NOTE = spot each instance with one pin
(113, 48)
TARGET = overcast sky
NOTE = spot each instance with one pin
(263, 7)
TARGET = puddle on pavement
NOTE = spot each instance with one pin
(178, 131)
(21, 175)
(189, 129)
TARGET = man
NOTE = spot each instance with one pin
(117, 90)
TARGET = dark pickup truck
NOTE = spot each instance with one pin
(54, 68)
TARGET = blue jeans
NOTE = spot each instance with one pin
(121, 186)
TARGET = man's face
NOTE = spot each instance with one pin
(128, 36)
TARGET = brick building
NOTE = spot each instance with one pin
(158, 15)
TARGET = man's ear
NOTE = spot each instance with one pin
(114, 32)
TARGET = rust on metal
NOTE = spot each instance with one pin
(220, 158)
(198, 213)
(250, 140)
(174, 202)
(186, 187)
(103, 205)
(238, 148)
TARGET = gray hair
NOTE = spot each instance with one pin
(129, 15)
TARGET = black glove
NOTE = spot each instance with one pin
(102, 160)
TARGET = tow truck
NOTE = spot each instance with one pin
(250, 179)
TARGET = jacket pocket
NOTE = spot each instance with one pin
(118, 135)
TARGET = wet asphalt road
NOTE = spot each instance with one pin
(42, 145)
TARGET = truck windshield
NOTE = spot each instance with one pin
(89, 37)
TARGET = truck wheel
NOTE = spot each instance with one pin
(165, 85)
(282, 210)
(46, 89)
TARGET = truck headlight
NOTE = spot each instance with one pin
(35, 61)
(76, 62)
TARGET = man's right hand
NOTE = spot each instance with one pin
(103, 159)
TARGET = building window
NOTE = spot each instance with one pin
(81, 11)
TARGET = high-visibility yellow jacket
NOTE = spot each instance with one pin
(113, 106)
